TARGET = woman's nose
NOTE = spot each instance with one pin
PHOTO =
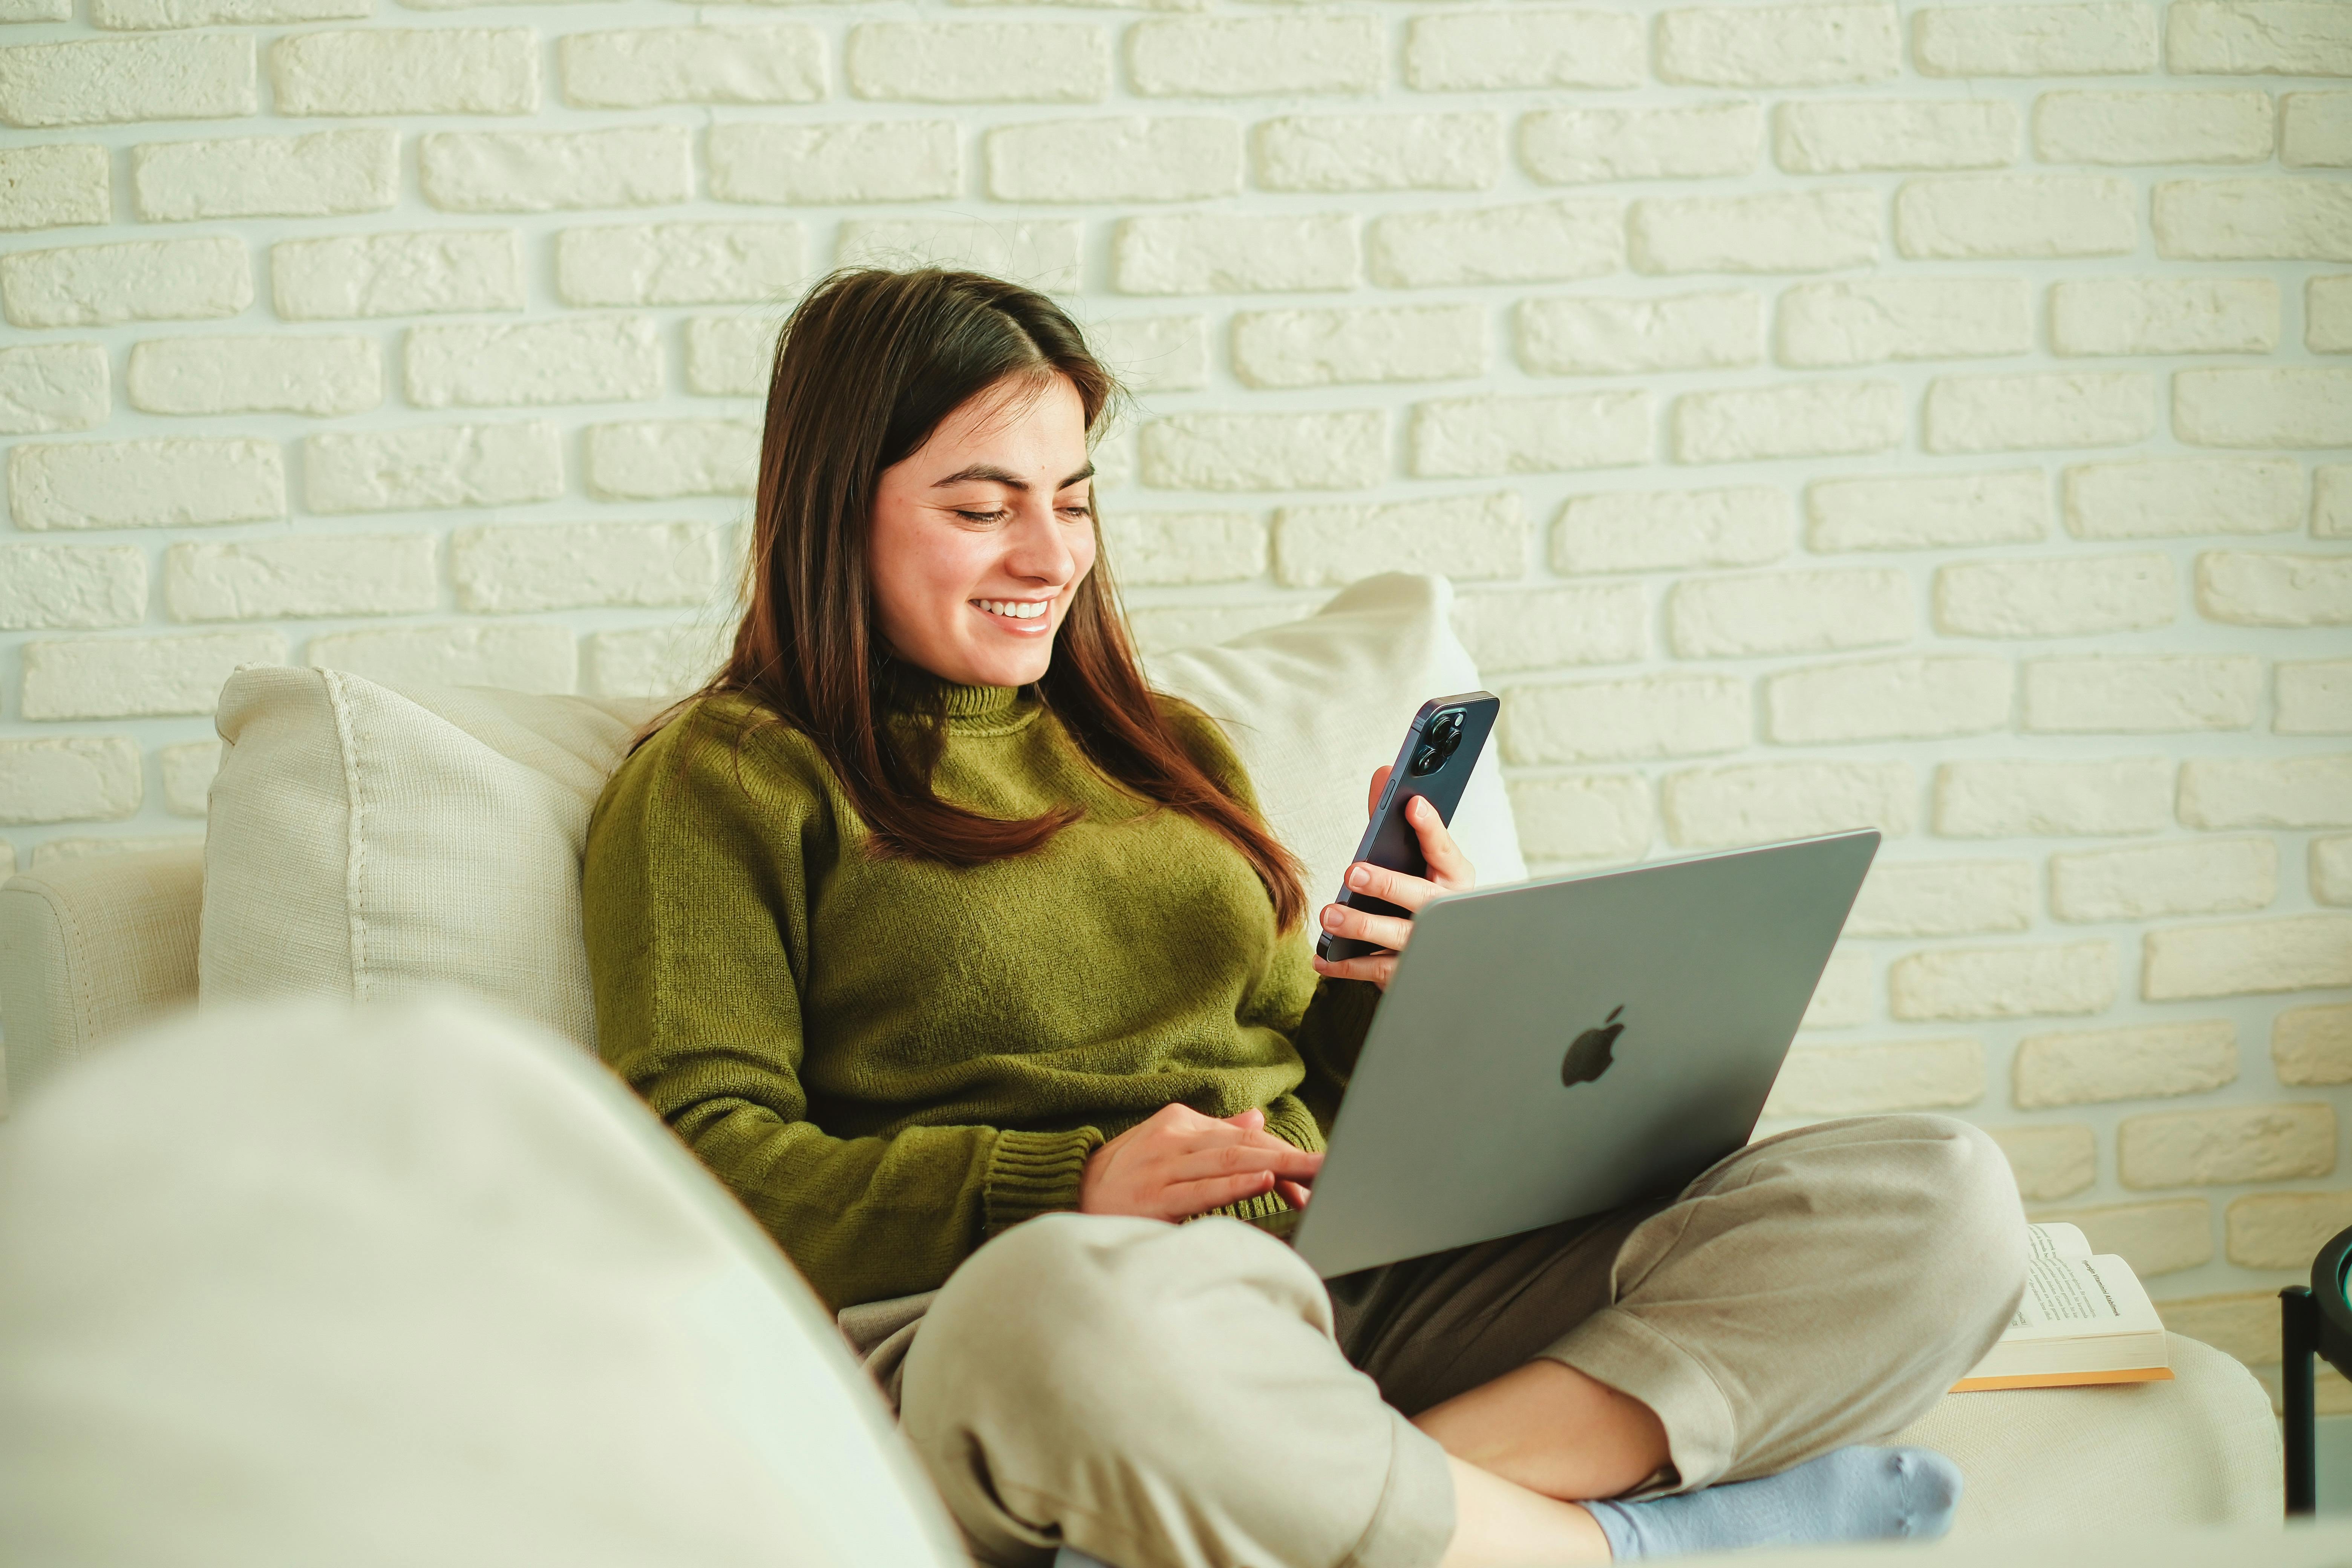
(1038, 548)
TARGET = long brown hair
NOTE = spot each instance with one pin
(869, 363)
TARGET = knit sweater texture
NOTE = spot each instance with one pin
(889, 1060)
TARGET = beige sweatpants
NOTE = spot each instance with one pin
(1192, 1396)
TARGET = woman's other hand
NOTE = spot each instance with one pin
(1449, 872)
(1179, 1164)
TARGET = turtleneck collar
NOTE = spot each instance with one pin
(968, 709)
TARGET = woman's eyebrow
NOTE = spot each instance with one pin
(991, 473)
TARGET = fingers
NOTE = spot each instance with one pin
(1392, 932)
(1375, 968)
(1448, 867)
(1380, 783)
(1407, 892)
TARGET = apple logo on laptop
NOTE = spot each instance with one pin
(1590, 1057)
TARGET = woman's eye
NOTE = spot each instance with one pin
(1078, 511)
(981, 517)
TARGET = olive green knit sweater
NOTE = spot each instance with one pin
(890, 1060)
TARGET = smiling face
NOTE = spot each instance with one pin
(981, 537)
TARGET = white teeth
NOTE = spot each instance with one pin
(1013, 609)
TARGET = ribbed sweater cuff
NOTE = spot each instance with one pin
(1030, 1173)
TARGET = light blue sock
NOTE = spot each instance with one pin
(1853, 1494)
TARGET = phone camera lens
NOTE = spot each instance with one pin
(1438, 743)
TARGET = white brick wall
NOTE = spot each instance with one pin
(1927, 414)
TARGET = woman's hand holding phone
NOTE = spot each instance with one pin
(1449, 872)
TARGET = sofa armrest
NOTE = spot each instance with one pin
(90, 945)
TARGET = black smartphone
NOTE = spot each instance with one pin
(1435, 762)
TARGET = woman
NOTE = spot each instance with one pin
(968, 964)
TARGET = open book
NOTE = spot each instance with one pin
(2084, 1319)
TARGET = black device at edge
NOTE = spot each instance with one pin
(1439, 753)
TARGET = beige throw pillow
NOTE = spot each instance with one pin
(372, 844)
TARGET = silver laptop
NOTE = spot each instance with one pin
(1555, 1048)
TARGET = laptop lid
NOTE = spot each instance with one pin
(1555, 1048)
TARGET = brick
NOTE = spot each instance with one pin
(1534, 242)
(1463, 537)
(2331, 502)
(54, 186)
(1945, 897)
(1799, 419)
(537, 172)
(319, 574)
(2025, 799)
(2239, 958)
(2261, 219)
(146, 484)
(1154, 354)
(2073, 595)
(1780, 46)
(138, 678)
(638, 68)
(2014, 982)
(730, 356)
(318, 175)
(1721, 809)
(2125, 128)
(2283, 1230)
(36, 10)
(1845, 994)
(323, 376)
(1470, 437)
(1590, 816)
(1632, 720)
(2174, 496)
(1904, 318)
(886, 160)
(1542, 629)
(2316, 129)
(2312, 1045)
(433, 467)
(1847, 136)
(652, 661)
(1961, 217)
(2154, 1238)
(1040, 253)
(149, 15)
(1668, 531)
(2021, 413)
(1898, 1075)
(1173, 548)
(388, 71)
(2271, 405)
(361, 276)
(52, 587)
(1340, 449)
(2084, 1067)
(2327, 315)
(1327, 348)
(70, 778)
(1801, 231)
(2106, 39)
(2251, 590)
(2142, 694)
(517, 657)
(1378, 152)
(2240, 1144)
(188, 771)
(1616, 337)
(52, 387)
(1890, 512)
(2331, 870)
(502, 571)
(142, 280)
(1220, 253)
(2313, 698)
(1686, 142)
(1888, 700)
(678, 263)
(2246, 792)
(2239, 1323)
(2049, 1162)
(1787, 612)
(978, 62)
(591, 359)
(2257, 37)
(656, 459)
(99, 82)
(2164, 316)
(2192, 876)
(1162, 627)
(1481, 52)
(1126, 160)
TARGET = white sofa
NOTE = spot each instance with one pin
(373, 845)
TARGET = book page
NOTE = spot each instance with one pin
(2056, 1239)
(2077, 1297)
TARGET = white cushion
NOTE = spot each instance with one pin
(298, 1285)
(372, 844)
